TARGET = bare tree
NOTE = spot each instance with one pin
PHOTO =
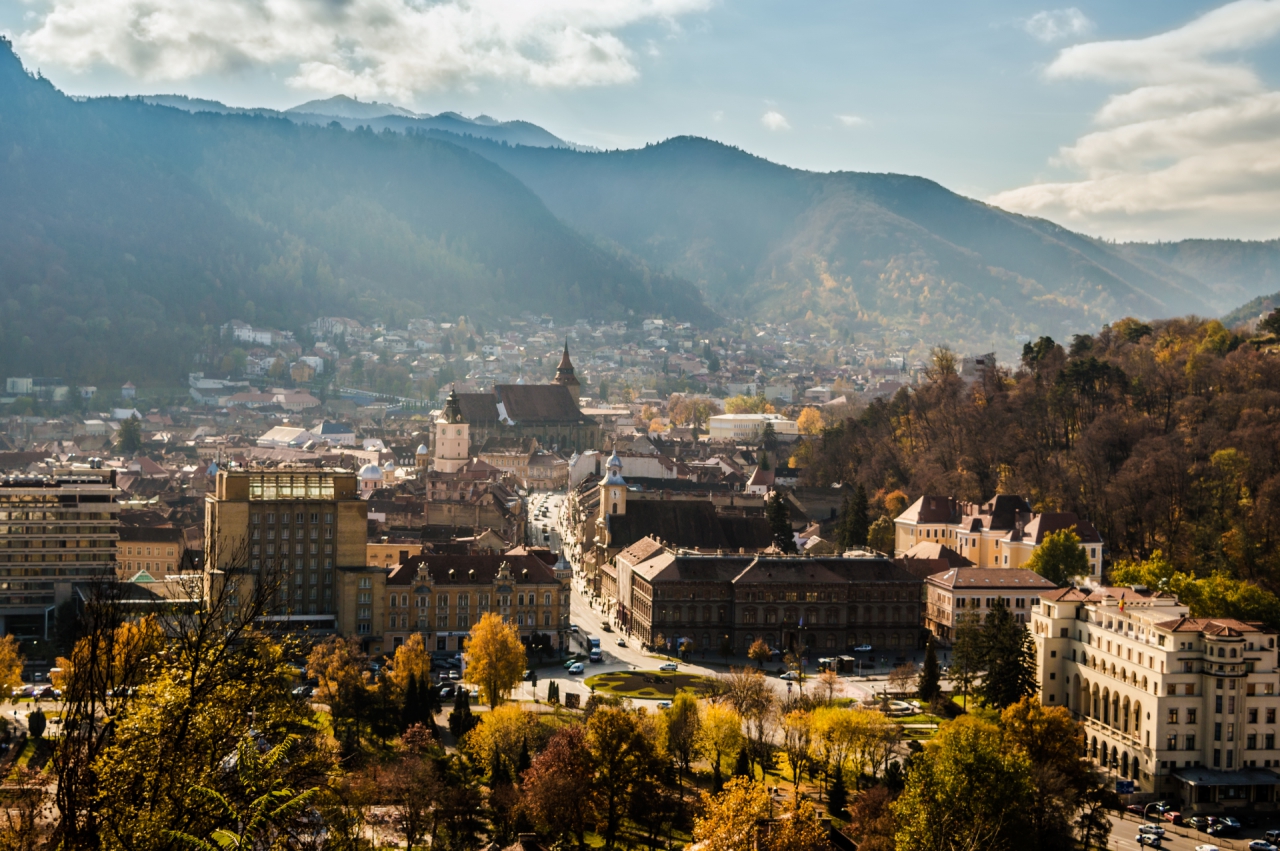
(902, 679)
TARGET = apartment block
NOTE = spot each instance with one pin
(55, 530)
(1184, 707)
(960, 591)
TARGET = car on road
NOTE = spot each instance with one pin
(621, 642)
(576, 668)
(789, 675)
(1148, 840)
(1136, 809)
(454, 675)
(569, 664)
(595, 655)
(668, 666)
(1272, 836)
(1151, 830)
(1229, 824)
(1208, 847)
(1261, 845)
(573, 627)
(303, 691)
(607, 628)
(863, 648)
(664, 704)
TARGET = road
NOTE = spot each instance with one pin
(1124, 832)
(544, 510)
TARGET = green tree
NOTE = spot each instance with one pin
(36, 723)
(779, 517)
(621, 755)
(129, 436)
(1271, 325)
(855, 527)
(1060, 558)
(683, 724)
(927, 684)
(966, 790)
(881, 535)
(1009, 659)
(967, 657)
(837, 795)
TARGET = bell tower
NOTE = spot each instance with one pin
(453, 437)
(615, 488)
(565, 374)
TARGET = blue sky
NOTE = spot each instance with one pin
(1129, 120)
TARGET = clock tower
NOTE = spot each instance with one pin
(453, 437)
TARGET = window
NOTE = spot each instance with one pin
(1191, 741)
(1217, 731)
(1253, 716)
(546, 599)
(1217, 704)
(1191, 716)
(1270, 741)
(1172, 742)
(1173, 716)
(1271, 716)
(1251, 742)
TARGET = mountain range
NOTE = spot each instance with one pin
(131, 227)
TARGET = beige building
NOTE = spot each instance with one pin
(1001, 532)
(960, 591)
(156, 551)
(55, 530)
(307, 523)
(1180, 706)
(748, 428)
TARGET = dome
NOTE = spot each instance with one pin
(615, 470)
(213, 469)
(422, 449)
(370, 471)
(389, 466)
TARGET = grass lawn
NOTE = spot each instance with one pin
(651, 684)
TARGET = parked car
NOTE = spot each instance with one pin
(446, 692)
(576, 668)
(454, 675)
(863, 648)
(1137, 809)
(1204, 824)
(303, 691)
(788, 675)
(1272, 836)
(668, 666)
(1229, 824)
(1173, 816)
(1261, 845)
(621, 642)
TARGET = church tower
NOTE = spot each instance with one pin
(615, 488)
(453, 437)
(566, 376)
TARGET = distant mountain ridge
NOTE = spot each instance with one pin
(129, 232)
(351, 113)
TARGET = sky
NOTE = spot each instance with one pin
(1147, 119)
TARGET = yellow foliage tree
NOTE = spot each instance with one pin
(719, 734)
(11, 662)
(728, 821)
(495, 657)
(132, 642)
(501, 734)
(411, 659)
(809, 421)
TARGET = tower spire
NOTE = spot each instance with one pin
(565, 374)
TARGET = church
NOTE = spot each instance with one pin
(547, 412)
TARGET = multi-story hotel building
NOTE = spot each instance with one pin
(1001, 532)
(308, 527)
(952, 594)
(1180, 706)
(55, 530)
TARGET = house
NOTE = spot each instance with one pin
(128, 391)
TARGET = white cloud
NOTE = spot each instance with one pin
(1191, 146)
(357, 47)
(775, 120)
(851, 120)
(1057, 24)
(718, 115)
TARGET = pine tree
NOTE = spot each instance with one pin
(1010, 659)
(742, 768)
(927, 684)
(837, 795)
(523, 763)
(460, 719)
(410, 709)
(857, 526)
(780, 522)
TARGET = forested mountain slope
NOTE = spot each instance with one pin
(857, 251)
(127, 230)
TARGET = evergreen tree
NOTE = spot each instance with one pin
(927, 684)
(460, 719)
(1010, 659)
(742, 768)
(854, 524)
(837, 795)
(967, 653)
(779, 518)
(523, 763)
(410, 709)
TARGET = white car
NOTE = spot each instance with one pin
(576, 668)
(1261, 845)
(668, 666)
(789, 675)
(1153, 829)
(1208, 847)
(862, 648)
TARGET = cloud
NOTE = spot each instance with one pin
(775, 120)
(356, 47)
(718, 115)
(851, 120)
(1057, 24)
(1192, 144)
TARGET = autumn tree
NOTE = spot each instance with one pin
(902, 679)
(683, 722)
(755, 702)
(759, 652)
(810, 421)
(880, 537)
(342, 669)
(621, 755)
(500, 736)
(11, 664)
(1060, 558)
(554, 791)
(798, 830)
(967, 653)
(797, 744)
(495, 657)
(728, 820)
(966, 790)
(871, 820)
(719, 736)
(412, 659)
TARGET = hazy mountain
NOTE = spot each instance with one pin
(866, 252)
(128, 230)
(1231, 270)
(351, 113)
(341, 106)
(1252, 309)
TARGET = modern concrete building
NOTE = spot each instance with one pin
(748, 428)
(55, 530)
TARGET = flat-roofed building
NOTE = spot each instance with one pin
(55, 530)
(748, 428)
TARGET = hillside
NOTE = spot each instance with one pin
(1252, 309)
(128, 231)
(862, 252)
(1231, 270)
